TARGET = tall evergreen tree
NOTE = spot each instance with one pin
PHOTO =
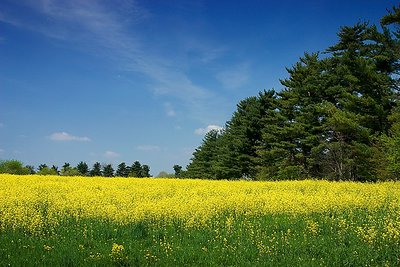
(359, 68)
(96, 170)
(178, 170)
(204, 157)
(122, 170)
(389, 154)
(145, 171)
(108, 170)
(300, 118)
(237, 157)
(83, 168)
(66, 169)
(136, 169)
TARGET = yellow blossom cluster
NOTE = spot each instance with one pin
(117, 253)
(37, 202)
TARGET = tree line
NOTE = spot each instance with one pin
(81, 169)
(337, 116)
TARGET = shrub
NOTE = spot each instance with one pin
(13, 167)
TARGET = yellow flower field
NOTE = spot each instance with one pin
(59, 221)
(31, 201)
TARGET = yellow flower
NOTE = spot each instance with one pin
(367, 233)
(117, 253)
(312, 227)
(47, 248)
(40, 203)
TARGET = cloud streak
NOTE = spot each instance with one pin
(108, 31)
(118, 34)
(66, 137)
(202, 131)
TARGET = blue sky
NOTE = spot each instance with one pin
(123, 80)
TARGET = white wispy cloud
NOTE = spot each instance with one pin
(1, 125)
(148, 148)
(202, 131)
(64, 136)
(113, 33)
(111, 154)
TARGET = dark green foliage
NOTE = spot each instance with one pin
(13, 167)
(242, 136)
(178, 170)
(83, 168)
(331, 119)
(67, 170)
(122, 170)
(55, 169)
(136, 169)
(42, 166)
(204, 157)
(387, 152)
(108, 170)
(44, 170)
(393, 16)
(31, 169)
(96, 170)
(139, 170)
(145, 171)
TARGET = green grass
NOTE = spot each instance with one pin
(226, 240)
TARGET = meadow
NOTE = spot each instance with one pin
(81, 221)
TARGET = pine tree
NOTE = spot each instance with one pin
(83, 168)
(96, 170)
(204, 157)
(145, 171)
(122, 170)
(300, 119)
(178, 170)
(237, 156)
(108, 170)
(362, 111)
(136, 169)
